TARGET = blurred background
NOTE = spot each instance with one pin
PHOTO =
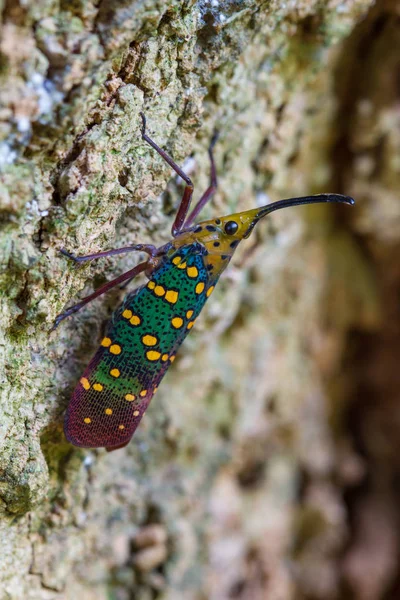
(267, 467)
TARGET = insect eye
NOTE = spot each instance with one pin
(231, 227)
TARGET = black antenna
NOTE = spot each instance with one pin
(318, 199)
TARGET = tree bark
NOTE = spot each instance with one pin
(257, 472)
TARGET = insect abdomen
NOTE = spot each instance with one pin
(141, 341)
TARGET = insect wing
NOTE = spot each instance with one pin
(101, 417)
(140, 345)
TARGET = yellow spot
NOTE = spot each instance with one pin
(87, 420)
(176, 260)
(171, 296)
(115, 349)
(155, 389)
(199, 287)
(164, 357)
(159, 290)
(135, 320)
(182, 265)
(149, 340)
(136, 413)
(115, 373)
(190, 325)
(121, 426)
(143, 393)
(98, 387)
(108, 411)
(151, 285)
(189, 314)
(105, 342)
(177, 322)
(153, 355)
(85, 383)
(209, 291)
(127, 314)
(130, 397)
(192, 271)
(172, 358)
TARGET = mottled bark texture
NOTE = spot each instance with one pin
(267, 466)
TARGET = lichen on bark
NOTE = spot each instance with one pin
(235, 467)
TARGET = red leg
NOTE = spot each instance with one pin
(102, 290)
(187, 194)
(208, 194)
(148, 248)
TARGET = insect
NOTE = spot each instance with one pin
(145, 332)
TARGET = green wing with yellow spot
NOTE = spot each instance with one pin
(141, 341)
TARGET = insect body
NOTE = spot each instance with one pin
(146, 331)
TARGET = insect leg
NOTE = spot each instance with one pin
(147, 248)
(187, 194)
(210, 191)
(101, 290)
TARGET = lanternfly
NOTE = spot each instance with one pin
(145, 332)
